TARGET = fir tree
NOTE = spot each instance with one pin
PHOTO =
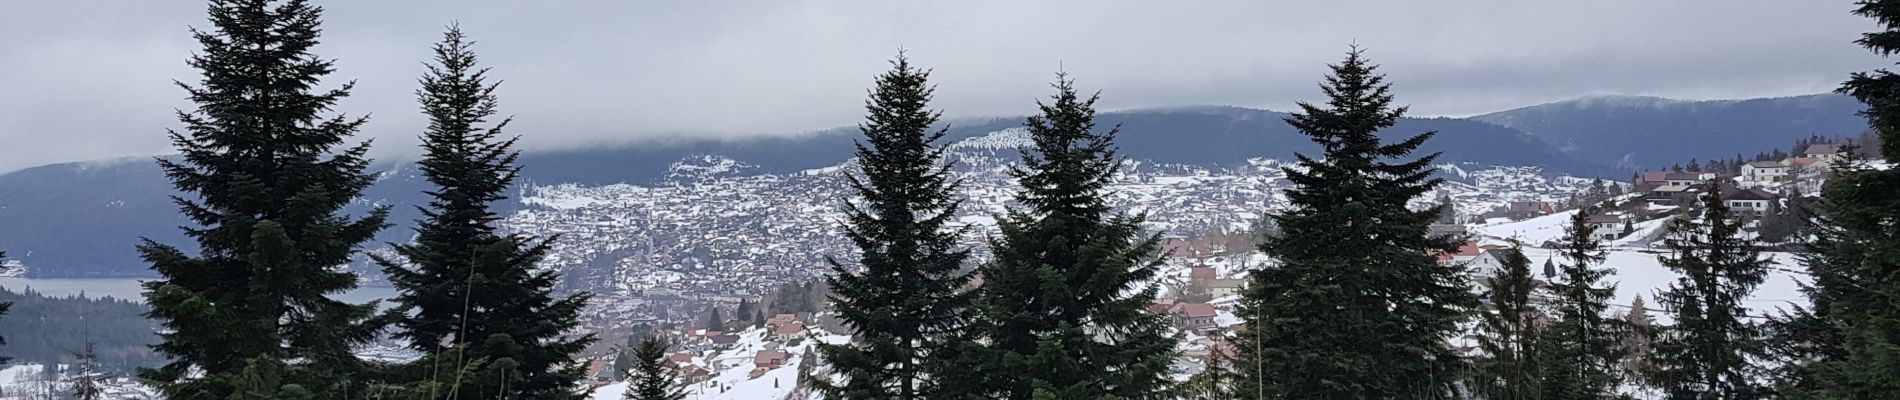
(714, 322)
(903, 297)
(86, 374)
(263, 179)
(651, 378)
(1581, 348)
(745, 309)
(1508, 335)
(1638, 344)
(473, 297)
(1064, 302)
(1711, 351)
(1846, 343)
(1358, 308)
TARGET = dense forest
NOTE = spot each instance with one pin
(45, 329)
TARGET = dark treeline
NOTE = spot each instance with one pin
(50, 330)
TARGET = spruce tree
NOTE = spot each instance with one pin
(263, 174)
(1357, 308)
(1509, 334)
(903, 297)
(1064, 301)
(1846, 343)
(1581, 348)
(473, 298)
(1712, 350)
(651, 378)
(714, 322)
(86, 377)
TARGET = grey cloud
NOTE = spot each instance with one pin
(86, 80)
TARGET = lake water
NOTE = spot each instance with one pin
(128, 288)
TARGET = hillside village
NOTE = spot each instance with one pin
(1206, 272)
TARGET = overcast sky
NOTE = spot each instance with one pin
(82, 80)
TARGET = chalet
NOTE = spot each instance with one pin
(1488, 263)
(694, 374)
(1686, 178)
(1605, 226)
(788, 331)
(1651, 178)
(1671, 195)
(1764, 171)
(1753, 202)
(1466, 252)
(769, 359)
(1825, 152)
(1193, 316)
(723, 342)
(1224, 287)
(680, 358)
(780, 319)
(1527, 209)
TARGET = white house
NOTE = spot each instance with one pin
(1764, 171)
(1749, 201)
(1605, 226)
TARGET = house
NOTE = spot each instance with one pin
(1488, 263)
(1454, 230)
(1605, 226)
(1752, 202)
(723, 342)
(1200, 276)
(780, 319)
(1527, 209)
(1764, 171)
(1466, 252)
(1651, 177)
(1825, 152)
(769, 359)
(1224, 287)
(1193, 316)
(600, 372)
(1161, 306)
(788, 331)
(1671, 195)
(1686, 178)
(694, 374)
(680, 357)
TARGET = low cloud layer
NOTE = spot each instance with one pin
(82, 80)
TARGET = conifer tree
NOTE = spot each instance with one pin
(263, 174)
(903, 297)
(86, 377)
(1508, 335)
(1712, 350)
(1846, 343)
(1581, 348)
(745, 309)
(714, 322)
(1064, 302)
(651, 378)
(473, 297)
(1357, 308)
(1638, 345)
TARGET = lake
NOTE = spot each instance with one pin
(128, 288)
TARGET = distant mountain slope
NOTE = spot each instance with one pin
(1648, 132)
(82, 219)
